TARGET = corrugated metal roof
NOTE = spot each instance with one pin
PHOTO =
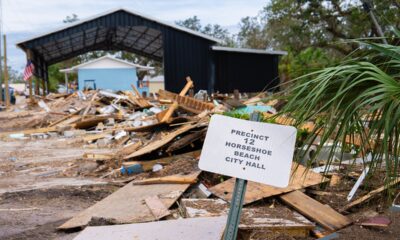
(128, 11)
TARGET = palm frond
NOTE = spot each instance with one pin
(356, 104)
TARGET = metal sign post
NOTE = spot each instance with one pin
(239, 192)
(249, 151)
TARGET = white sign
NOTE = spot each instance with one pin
(255, 151)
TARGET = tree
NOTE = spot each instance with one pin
(328, 24)
(324, 26)
(213, 30)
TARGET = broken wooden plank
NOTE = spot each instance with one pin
(188, 86)
(369, 195)
(93, 137)
(192, 228)
(377, 221)
(126, 205)
(30, 131)
(186, 140)
(89, 105)
(279, 219)
(157, 207)
(173, 179)
(316, 211)
(129, 149)
(97, 156)
(139, 100)
(148, 164)
(300, 178)
(159, 143)
(65, 118)
(165, 115)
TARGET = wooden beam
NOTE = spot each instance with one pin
(369, 195)
(173, 179)
(188, 86)
(316, 211)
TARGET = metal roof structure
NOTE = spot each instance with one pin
(183, 52)
(124, 30)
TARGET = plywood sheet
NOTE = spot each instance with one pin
(191, 228)
(316, 211)
(301, 178)
(127, 205)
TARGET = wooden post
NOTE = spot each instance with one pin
(37, 86)
(188, 86)
(7, 89)
(66, 81)
(44, 89)
(236, 94)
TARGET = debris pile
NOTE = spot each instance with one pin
(151, 147)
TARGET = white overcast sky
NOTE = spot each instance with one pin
(25, 18)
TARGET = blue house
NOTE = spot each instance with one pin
(108, 73)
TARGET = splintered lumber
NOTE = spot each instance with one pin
(93, 137)
(126, 205)
(97, 156)
(187, 103)
(65, 118)
(369, 195)
(93, 121)
(191, 228)
(186, 140)
(300, 178)
(159, 143)
(31, 131)
(130, 148)
(148, 165)
(279, 219)
(188, 86)
(173, 179)
(316, 211)
(165, 115)
(89, 105)
(141, 102)
(157, 207)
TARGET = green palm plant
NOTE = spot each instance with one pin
(358, 99)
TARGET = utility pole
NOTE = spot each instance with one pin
(7, 89)
(1, 68)
(368, 6)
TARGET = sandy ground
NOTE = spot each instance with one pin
(42, 186)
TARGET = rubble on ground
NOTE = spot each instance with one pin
(150, 148)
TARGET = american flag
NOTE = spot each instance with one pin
(29, 68)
